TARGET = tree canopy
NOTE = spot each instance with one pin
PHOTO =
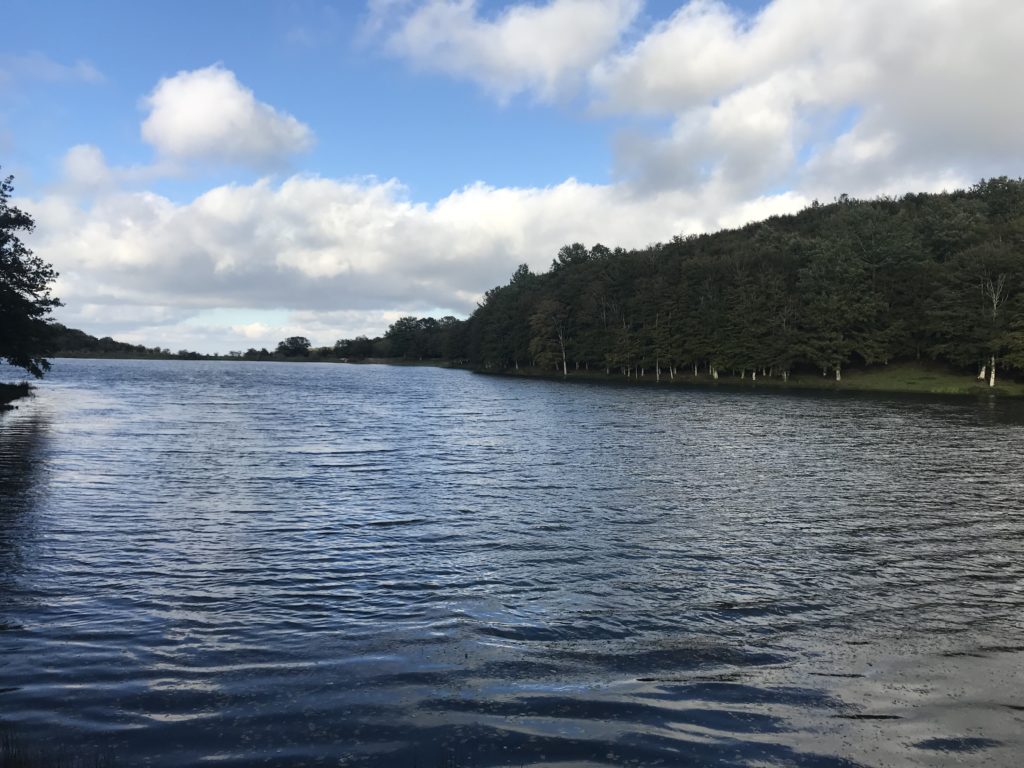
(25, 291)
(933, 276)
(294, 346)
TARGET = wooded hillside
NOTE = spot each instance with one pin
(925, 276)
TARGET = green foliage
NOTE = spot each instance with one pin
(852, 283)
(294, 346)
(25, 298)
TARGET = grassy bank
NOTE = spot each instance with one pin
(11, 392)
(911, 378)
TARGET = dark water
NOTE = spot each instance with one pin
(247, 564)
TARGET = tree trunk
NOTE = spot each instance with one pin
(754, 375)
(785, 375)
(714, 373)
(983, 373)
(992, 372)
(839, 371)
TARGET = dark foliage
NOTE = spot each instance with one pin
(851, 283)
(25, 298)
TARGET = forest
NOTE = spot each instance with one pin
(853, 283)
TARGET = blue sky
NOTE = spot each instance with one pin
(219, 175)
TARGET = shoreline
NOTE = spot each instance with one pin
(893, 379)
(911, 378)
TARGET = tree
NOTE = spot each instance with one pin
(550, 323)
(294, 346)
(25, 297)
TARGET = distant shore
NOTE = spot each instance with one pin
(428, 362)
(903, 377)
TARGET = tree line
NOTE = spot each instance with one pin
(851, 283)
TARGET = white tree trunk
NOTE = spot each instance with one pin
(785, 375)
(839, 372)
(992, 372)
(714, 373)
(754, 375)
(983, 373)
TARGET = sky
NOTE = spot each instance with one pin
(219, 176)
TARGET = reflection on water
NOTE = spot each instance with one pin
(324, 565)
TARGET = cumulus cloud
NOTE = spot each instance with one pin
(809, 95)
(208, 332)
(206, 114)
(541, 49)
(85, 167)
(326, 246)
(762, 100)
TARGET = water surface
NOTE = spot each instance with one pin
(274, 564)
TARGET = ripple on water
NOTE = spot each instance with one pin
(362, 565)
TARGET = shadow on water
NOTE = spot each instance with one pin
(994, 407)
(17, 753)
(23, 439)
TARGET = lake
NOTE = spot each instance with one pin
(311, 564)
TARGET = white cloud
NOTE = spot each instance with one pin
(760, 101)
(36, 66)
(810, 95)
(86, 168)
(541, 49)
(324, 246)
(206, 332)
(206, 114)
